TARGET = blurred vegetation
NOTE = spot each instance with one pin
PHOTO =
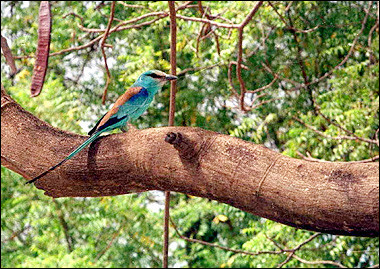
(126, 231)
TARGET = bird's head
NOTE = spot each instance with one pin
(154, 78)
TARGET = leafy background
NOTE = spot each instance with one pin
(126, 231)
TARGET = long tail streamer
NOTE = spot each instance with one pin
(72, 154)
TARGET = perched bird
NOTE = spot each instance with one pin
(129, 106)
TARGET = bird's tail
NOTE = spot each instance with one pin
(72, 154)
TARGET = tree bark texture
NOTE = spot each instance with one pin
(337, 198)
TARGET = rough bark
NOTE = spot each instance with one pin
(336, 198)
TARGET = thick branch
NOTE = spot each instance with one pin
(337, 198)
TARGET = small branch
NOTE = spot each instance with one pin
(301, 61)
(104, 53)
(222, 25)
(194, 69)
(328, 74)
(319, 262)
(281, 251)
(292, 251)
(229, 74)
(16, 234)
(332, 137)
(263, 103)
(136, 26)
(192, 240)
(250, 15)
(115, 29)
(299, 85)
(183, 6)
(173, 84)
(279, 15)
(65, 226)
(288, 258)
(134, 6)
(75, 15)
(264, 39)
(115, 235)
(161, 14)
(333, 122)
(240, 53)
(264, 87)
(290, 27)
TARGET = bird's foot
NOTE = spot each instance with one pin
(128, 127)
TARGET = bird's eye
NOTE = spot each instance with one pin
(154, 75)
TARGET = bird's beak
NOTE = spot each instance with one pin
(171, 77)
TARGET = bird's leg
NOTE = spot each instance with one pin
(131, 126)
(127, 127)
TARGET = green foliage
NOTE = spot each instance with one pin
(126, 231)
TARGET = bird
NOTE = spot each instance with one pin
(128, 106)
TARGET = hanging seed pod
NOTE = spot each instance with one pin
(43, 48)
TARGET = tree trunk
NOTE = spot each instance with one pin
(336, 198)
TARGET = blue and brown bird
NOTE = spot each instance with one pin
(128, 106)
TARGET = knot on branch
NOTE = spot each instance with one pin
(186, 148)
(5, 98)
(173, 138)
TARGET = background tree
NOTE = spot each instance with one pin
(300, 78)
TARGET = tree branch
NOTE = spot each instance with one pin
(271, 252)
(104, 53)
(336, 198)
(173, 85)
(343, 137)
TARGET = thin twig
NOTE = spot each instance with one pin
(75, 15)
(326, 75)
(344, 137)
(115, 29)
(264, 87)
(290, 27)
(240, 53)
(300, 60)
(293, 250)
(229, 74)
(238, 251)
(183, 6)
(65, 226)
(104, 53)
(333, 122)
(115, 235)
(16, 234)
(192, 240)
(288, 258)
(319, 262)
(218, 24)
(329, 73)
(186, 70)
(134, 6)
(173, 84)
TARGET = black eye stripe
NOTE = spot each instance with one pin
(154, 75)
